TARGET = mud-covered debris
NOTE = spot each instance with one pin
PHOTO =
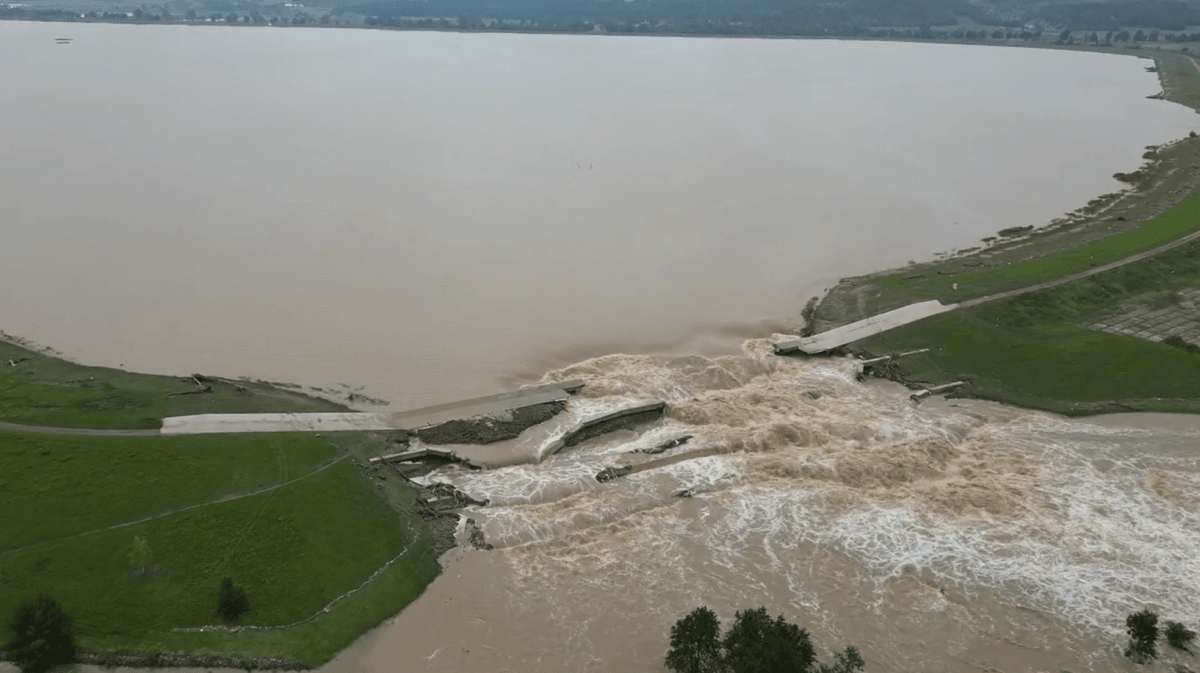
(610, 473)
(442, 497)
(669, 444)
(475, 536)
(489, 429)
(625, 419)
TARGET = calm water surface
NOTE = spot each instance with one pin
(435, 215)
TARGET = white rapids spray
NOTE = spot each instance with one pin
(943, 536)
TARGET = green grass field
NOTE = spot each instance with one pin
(294, 549)
(290, 517)
(46, 478)
(1031, 351)
(903, 288)
(44, 390)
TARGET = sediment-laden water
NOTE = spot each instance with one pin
(945, 536)
(439, 216)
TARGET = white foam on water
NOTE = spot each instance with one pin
(1078, 523)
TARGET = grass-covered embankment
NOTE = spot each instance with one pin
(39, 389)
(1032, 351)
(48, 477)
(290, 517)
(958, 287)
(1165, 208)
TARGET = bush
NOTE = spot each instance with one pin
(1143, 632)
(1179, 636)
(695, 644)
(43, 636)
(231, 601)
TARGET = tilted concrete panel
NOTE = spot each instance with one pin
(840, 336)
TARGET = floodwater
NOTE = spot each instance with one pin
(436, 216)
(947, 536)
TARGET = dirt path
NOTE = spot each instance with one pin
(1084, 274)
(227, 498)
(87, 432)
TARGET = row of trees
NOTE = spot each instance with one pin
(164, 16)
(755, 643)
(1066, 37)
(43, 634)
(927, 33)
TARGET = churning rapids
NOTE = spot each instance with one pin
(946, 536)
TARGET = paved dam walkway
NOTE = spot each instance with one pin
(840, 336)
(348, 421)
(358, 421)
(846, 334)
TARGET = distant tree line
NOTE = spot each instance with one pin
(1106, 16)
(924, 19)
(799, 17)
(145, 16)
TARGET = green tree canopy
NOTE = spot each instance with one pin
(758, 644)
(231, 601)
(1143, 632)
(1179, 636)
(848, 661)
(755, 644)
(43, 636)
(695, 643)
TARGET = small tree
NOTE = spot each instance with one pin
(43, 636)
(1179, 636)
(758, 644)
(1143, 632)
(695, 643)
(231, 601)
(849, 661)
(809, 314)
(138, 551)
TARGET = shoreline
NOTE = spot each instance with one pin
(206, 661)
(1167, 179)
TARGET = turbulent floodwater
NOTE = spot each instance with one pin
(949, 536)
(436, 216)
